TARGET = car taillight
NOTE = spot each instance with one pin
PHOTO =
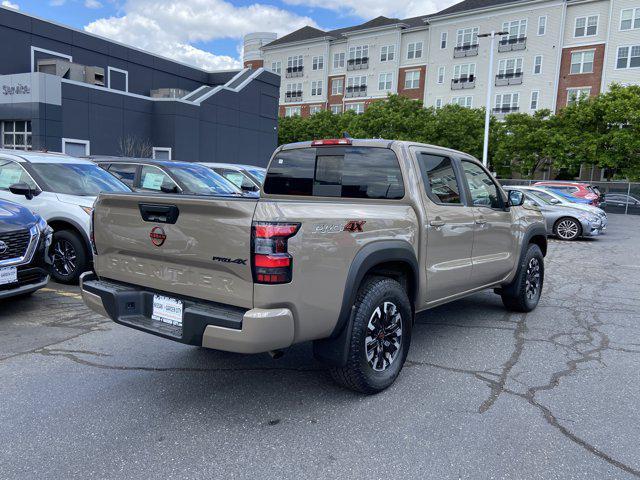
(92, 238)
(271, 261)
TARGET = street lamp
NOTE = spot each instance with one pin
(487, 115)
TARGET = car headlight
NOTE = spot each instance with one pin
(87, 210)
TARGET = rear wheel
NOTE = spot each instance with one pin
(523, 294)
(68, 257)
(380, 337)
(567, 228)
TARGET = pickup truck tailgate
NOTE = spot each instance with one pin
(198, 247)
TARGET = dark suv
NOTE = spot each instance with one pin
(24, 241)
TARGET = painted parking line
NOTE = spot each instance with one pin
(62, 293)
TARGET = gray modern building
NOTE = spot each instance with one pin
(65, 90)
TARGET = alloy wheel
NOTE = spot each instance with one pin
(384, 336)
(64, 258)
(567, 229)
(532, 284)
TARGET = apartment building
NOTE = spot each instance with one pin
(551, 53)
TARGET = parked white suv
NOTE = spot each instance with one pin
(61, 189)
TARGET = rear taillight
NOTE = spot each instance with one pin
(92, 237)
(271, 260)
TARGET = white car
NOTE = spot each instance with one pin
(556, 199)
(61, 189)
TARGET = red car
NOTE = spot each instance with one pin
(577, 189)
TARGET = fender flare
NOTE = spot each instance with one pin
(334, 350)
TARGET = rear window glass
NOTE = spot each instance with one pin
(350, 172)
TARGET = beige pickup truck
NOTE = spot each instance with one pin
(347, 242)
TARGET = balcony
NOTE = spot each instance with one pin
(512, 78)
(290, 97)
(356, 91)
(463, 83)
(293, 72)
(505, 110)
(512, 44)
(358, 63)
(465, 51)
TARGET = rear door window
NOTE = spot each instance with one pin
(440, 179)
(349, 172)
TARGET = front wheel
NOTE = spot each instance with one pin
(523, 294)
(68, 257)
(380, 337)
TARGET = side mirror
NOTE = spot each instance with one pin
(516, 198)
(23, 189)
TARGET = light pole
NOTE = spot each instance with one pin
(487, 115)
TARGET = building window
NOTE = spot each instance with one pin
(316, 88)
(582, 62)
(509, 66)
(465, 70)
(443, 40)
(387, 53)
(630, 19)
(441, 73)
(412, 79)
(16, 134)
(439, 102)
(467, 36)
(537, 65)
(336, 109)
(76, 147)
(385, 82)
(466, 101)
(355, 107)
(276, 67)
(586, 26)
(317, 63)
(338, 60)
(516, 28)
(292, 111)
(315, 109)
(535, 99)
(508, 101)
(162, 153)
(414, 50)
(359, 53)
(337, 86)
(542, 25)
(628, 57)
(575, 95)
(117, 79)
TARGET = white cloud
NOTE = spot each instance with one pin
(170, 28)
(368, 9)
(8, 4)
(92, 4)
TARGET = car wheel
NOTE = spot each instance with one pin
(68, 257)
(523, 294)
(380, 337)
(567, 228)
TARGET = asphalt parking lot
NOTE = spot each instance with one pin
(484, 394)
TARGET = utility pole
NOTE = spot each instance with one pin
(487, 115)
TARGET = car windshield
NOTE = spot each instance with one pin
(77, 179)
(200, 180)
(259, 173)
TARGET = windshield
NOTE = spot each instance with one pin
(77, 179)
(200, 180)
(259, 173)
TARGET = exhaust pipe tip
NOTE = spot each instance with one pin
(276, 354)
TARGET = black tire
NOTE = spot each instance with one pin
(358, 374)
(573, 232)
(69, 244)
(519, 296)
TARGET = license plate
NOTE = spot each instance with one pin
(167, 310)
(8, 275)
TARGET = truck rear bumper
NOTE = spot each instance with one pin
(221, 327)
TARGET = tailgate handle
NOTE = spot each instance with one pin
(159, 213)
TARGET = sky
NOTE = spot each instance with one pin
(208, 33)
